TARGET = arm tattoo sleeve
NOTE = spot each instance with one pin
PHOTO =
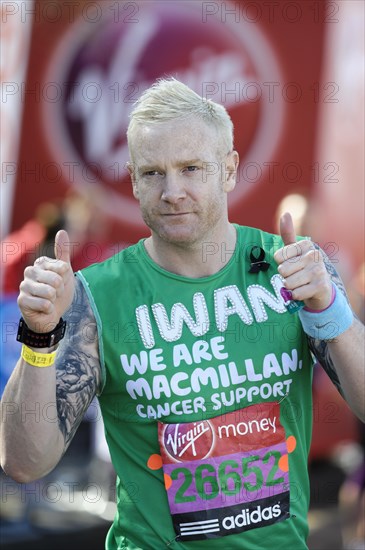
(320, 347)
(78, 369)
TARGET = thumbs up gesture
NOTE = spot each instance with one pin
(48, 288)
(302, 267)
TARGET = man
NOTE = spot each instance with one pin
(202, 373)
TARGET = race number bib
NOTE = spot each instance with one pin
(227, 474)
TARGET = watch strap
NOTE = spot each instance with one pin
(40, 339)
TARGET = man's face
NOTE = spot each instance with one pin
(181, 180)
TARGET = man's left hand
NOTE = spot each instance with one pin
(302, 267)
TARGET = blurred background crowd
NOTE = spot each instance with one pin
(291, 74)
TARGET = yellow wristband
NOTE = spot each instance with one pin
(38, 359)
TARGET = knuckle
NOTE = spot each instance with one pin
(47, 306)
(57, 267)
(57, 280)
(51, 293)
(65, 268)
(292, 252)
(318, 270)
(306, 244)
(40, 260)
(29, 272)
(314, 255)
(22, 286)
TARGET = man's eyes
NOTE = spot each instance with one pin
(154, 173)
(151, 173)
(191, 168)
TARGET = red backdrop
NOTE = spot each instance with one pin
(89, 61)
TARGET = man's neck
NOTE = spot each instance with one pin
(201, 260)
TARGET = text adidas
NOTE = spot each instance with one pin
(255, 516)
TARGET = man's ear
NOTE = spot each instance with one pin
(131, 170)
(229, 171)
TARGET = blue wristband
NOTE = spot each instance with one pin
(331, 322)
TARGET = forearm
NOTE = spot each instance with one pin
(31, 441)
(335, 336)
(46, 398)
(347, 355)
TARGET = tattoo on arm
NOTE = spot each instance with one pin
(78, 368)
(320, 347)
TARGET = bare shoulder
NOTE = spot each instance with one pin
(78, 368)
(320, 347)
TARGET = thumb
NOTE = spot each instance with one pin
(287, 230)
(62, 246)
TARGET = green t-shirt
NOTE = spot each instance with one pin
(206, 402)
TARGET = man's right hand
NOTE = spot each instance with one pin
(48, 288)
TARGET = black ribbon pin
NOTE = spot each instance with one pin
(257, 257)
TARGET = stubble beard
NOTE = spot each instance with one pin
(205, 225)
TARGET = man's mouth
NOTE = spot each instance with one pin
(176, 213)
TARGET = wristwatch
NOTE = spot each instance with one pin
(40, 339)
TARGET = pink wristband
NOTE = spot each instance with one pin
(329, 305)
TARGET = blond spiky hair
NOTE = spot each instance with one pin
(169, 99)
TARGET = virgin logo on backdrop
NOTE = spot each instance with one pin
(103, 69)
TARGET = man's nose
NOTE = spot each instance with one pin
(174, 189)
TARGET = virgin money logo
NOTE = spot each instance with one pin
(104, 67)
(190, 441)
